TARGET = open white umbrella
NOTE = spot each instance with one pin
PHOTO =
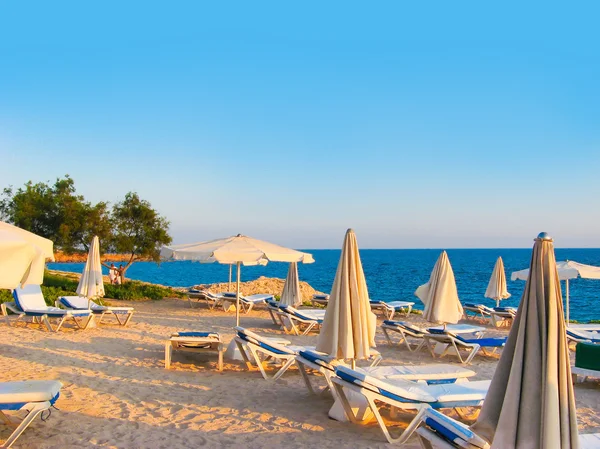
(440, 295)
(531, 402)
(239, 250)
(348, 330)
(567, 269)
(291, 294)
(91, 284)
(496, 288)
(18, 262)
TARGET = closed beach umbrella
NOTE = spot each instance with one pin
(291, 294)
(238, 250)
(440, 295)
(531, 402)
(91, 284)
(567, 269)
(348, 330)
(496, 288)
(34, 263)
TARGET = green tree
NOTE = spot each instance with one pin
(56, 212)
(138, 230)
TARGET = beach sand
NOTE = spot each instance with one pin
(117, 394)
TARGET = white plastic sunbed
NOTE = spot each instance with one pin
(33, 396)
(478, 310)
(320, 299)
(82, 303)
(194, 342)
(257, 351)
(502, 315)
(293, 320)
(406, 395)
(29, 301)
(325, 365)
(582, 336)
(405, 330)
(457, 342)
(438, 431)
(390, 308)
(248, 302)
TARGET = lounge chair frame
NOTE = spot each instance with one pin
(390, 310)
(196, 345)
(296, 321)
(404, 332)
(103, 310)
(43, 319)
(451, 341)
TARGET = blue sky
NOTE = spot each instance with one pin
(442, 124)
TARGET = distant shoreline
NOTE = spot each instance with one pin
(60, 257)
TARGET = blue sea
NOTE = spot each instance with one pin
(392, 274)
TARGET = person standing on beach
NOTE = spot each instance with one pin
(112, 273)
(119, 279)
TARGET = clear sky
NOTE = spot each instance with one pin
(419, 124)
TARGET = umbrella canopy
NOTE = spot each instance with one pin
(23, 255)
(17, 257)
(91, 284)
(233, 250)
(496, 288)
(291, 294)
(440, 295)
(348, 330)
(567, 269)
(239, 250)
(531, 402)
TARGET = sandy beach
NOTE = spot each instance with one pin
(117, 394)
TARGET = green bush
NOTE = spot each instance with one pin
(56, 286)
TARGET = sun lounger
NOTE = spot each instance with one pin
(122, 314)
(321, 300)
(33, 396)
(195, 294)
(258, 351)
(438, 431)
(502, 315)
(390, 308)
(405, 330)
(457, 342)
(405, 395)
(581, 336)
(478, 310)
(293, 320)
(197, 342)
(325, 365)
(29, 302)
(248, 302)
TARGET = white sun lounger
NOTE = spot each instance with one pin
(503, 314)
(406, 395)
(293, 320)
(122, 314)
(325, 365)
(248, 302)
(478, 310)
(456, 342)
(581, 336)
(438, 431)
(257, 351)
(29, 302)
(320, 299)
(405, 330)
(390, 308)
(33, 396)
(197, 342)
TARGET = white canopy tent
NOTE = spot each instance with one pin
(567, 269)
(239, 250)
(22, 256)
(91, 284)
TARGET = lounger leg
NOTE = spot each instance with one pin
(341, 395)
(308, 328)
(391, 314)
(34, 410)
(129, 316)
(5, 313)
(258, 361)
(471, 355)
(289, 362)
(242, 347)
(44, 319)
(190, 302)
(305, 377)
(405, 435)
(168, 354)
(409, 311)
(220, 362)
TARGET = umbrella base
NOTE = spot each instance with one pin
(233, 352)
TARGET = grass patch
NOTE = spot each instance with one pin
(56, 286)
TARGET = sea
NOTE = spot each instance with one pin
(392, 274)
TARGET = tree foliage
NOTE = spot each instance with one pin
(58, 213)
(138, 229)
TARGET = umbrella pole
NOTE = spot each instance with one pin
(229, 287)
(567, 289)
(237, 297)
